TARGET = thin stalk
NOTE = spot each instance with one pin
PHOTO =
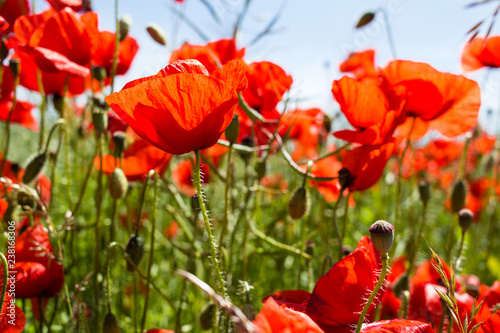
(389, 34)
(85, 182)
(459, 255)
(337, 229)
(5, 279)
(151, 250)
(141, 206)
(43, 107)
(227, 190)
(420, 234)
(115, 52)
(211, 240)
(346, 210)
(385, 260)
(97, 240)
(7, 126)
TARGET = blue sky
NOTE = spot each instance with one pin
(312, 37)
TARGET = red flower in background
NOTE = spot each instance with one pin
(138, 159)
(12, 319)
(182, 176)
(445, 102)
(10, 10)
(481, 53)
(76, 5)
(397, 326)
(182, 108)
(4, 25)
(360, 64)
(327, 167)
(373, 111)
(105, 48)
(213, 55)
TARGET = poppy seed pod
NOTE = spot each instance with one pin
(233, 130)
(118, 184)
(120, 141)
(458, 196)
(298, 204)
(157, 34)
(135, 250)
(15, 67)
(125, 23)
(465, 219)
(100, 121)
(424, 189)
(34, 167)
(382, 234)
(110, 324)
(207, 317)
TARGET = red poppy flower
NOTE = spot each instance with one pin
(182, 176)
(103, 56)
(397, 326)
(372, 111)
(57, 41)
(76, 5)
(366, 165)
(213, 56)
(12, 9)
(12, 319)
(274, 318)
(327, 167)
(445, 102)
(360, 64)
(182, 108)
(138, 159)
(337, 299)
(481, 53)
(159, 330)
(4, 25)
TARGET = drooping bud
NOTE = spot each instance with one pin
(100, 121)
(125, 23)
(110, 324)
(382, 235)
(458, 196)
(120, 141)
(327, 123)
(465, 219)
(15, 67)
(34, 167)
(135, 250)
(344, 178)
(118, 184)
(99, 73)
(365, 19)
(233, 130)
(298, 204)
(424, 189)
(157, 34)
(207, 317)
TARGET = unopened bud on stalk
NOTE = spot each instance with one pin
(424, 189)
(233, 130)
(344, 178)
(246, 141)
(157, 34)
(110, 324)
(120, 141)
(261, 169)
(402, 284)
(25, 199)
(34, 167)
(135, 250)
(195, 203)
(382, 234)
(100, 121)
(4, 51)
(125, 23)
(118, 184)
(310, 248)
(490, 164)
(465, 219)
(57, 101)
(15, 67)
(99, 73)
(207, 317)
(458, 196)
(327, 123)
(298, 204)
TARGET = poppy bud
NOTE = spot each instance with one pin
(310, 248)
(120, 141)
(382, 234)
(327, 123)
(15, 67)
(4, 52)
(118, 184)
(402, 284)
(207, 316)
(99, 73)
(490, 163)
(458, 196)
(195, 203)
(465, 219)
(34, 167)
(261, 168)
(125, 23)
(365, 19)
(344, 178)
(424, 189)
(26, 199)
(135, 250)
(100, 121)
(57, 101)
(298, 204)
(12, 211)
(246, 141)
(157, 34)
(110, 324)
(233, 130)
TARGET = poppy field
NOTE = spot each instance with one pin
(209, 195)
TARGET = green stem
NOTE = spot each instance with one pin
(97, 240)
(226, 195)
(5, 279)
(459, 255)
(151, 250)
(385, 259)
(42, 108)
(211, 240)
(420, 234)
(346, 210)
(141, 207)
(337, 229)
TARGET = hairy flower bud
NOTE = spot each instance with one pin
(157, 34)
(424, 189)
(233, 130)
(118, 184)
(465, 219)
(458, 196)
(344, 178)
(135, 250)
(100, 121)
(382, 234)
(298, 204)
(34, 167)
(125, 23)
(110, 324)
(99, 73)
(15, 67)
